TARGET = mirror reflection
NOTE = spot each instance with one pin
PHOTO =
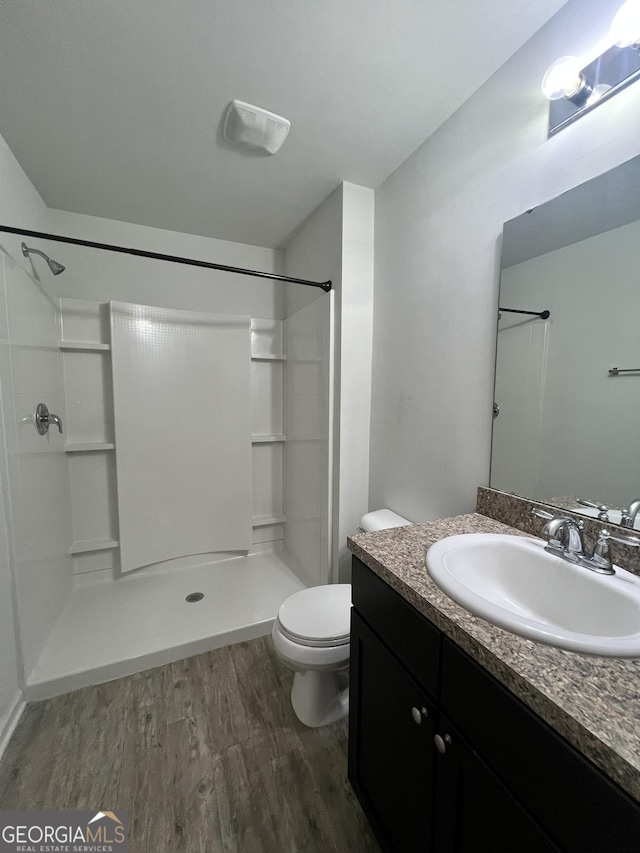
(567, 386)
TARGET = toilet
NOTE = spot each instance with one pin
(311, 637)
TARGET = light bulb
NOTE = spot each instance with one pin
(625, 27)
(562, 79)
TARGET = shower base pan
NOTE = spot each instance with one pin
(115, 628)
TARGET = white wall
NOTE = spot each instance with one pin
(98, 275)
(336, 242)
(315, 252)
(356, 346)
(438, 224)
(34, 505)
(588, 420)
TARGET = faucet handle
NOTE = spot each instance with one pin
(603, 509)
(43, 419)
(542, 513)
(601, 560)
(634, 541)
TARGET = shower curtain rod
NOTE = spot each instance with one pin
(542, 314)
(325, 285)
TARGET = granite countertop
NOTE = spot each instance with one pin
(593, 702)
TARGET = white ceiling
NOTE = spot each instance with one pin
(113, 107)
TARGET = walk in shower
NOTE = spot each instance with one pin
(189, 491)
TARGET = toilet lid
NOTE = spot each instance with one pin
(321, 614)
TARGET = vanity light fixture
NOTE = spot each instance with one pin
(625, 27)
(564, 79)
(574, 87)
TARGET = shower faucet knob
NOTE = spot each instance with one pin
(44, 418)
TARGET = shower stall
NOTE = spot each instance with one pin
(187, 491)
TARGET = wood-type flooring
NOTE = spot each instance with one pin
(203, 755)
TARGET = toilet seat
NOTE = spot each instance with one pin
(318, 617)
(309, 641)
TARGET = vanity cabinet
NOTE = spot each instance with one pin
(476, 812)
(443, 758)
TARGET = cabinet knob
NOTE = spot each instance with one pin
(419, 714)
(442, 743)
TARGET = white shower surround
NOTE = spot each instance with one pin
(114, 624)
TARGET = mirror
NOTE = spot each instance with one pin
(567, 385)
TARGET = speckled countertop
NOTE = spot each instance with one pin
(593, 702)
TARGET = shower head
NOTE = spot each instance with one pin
(54, 266)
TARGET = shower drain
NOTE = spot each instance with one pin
(194, 596)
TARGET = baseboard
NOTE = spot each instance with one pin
(10, 720)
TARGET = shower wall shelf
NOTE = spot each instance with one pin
(93, 545)
(263, 520)
(268, 364)
(88, 446)
(84, 346)
(268, 358)
(84, 342)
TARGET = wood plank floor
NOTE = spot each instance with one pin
(204, 755)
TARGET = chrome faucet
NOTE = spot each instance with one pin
(629, 514)
(565, 540)
(565, 536)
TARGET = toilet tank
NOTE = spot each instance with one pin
(381, 519)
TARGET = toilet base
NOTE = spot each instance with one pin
(320, 697)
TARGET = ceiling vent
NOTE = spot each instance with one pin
(255, 127)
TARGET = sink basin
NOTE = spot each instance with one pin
(514, 583)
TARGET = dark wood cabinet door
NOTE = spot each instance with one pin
(391, 755)
(476, 812)
(578, 806)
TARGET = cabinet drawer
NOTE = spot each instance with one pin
(411, 638)
(578, 806)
